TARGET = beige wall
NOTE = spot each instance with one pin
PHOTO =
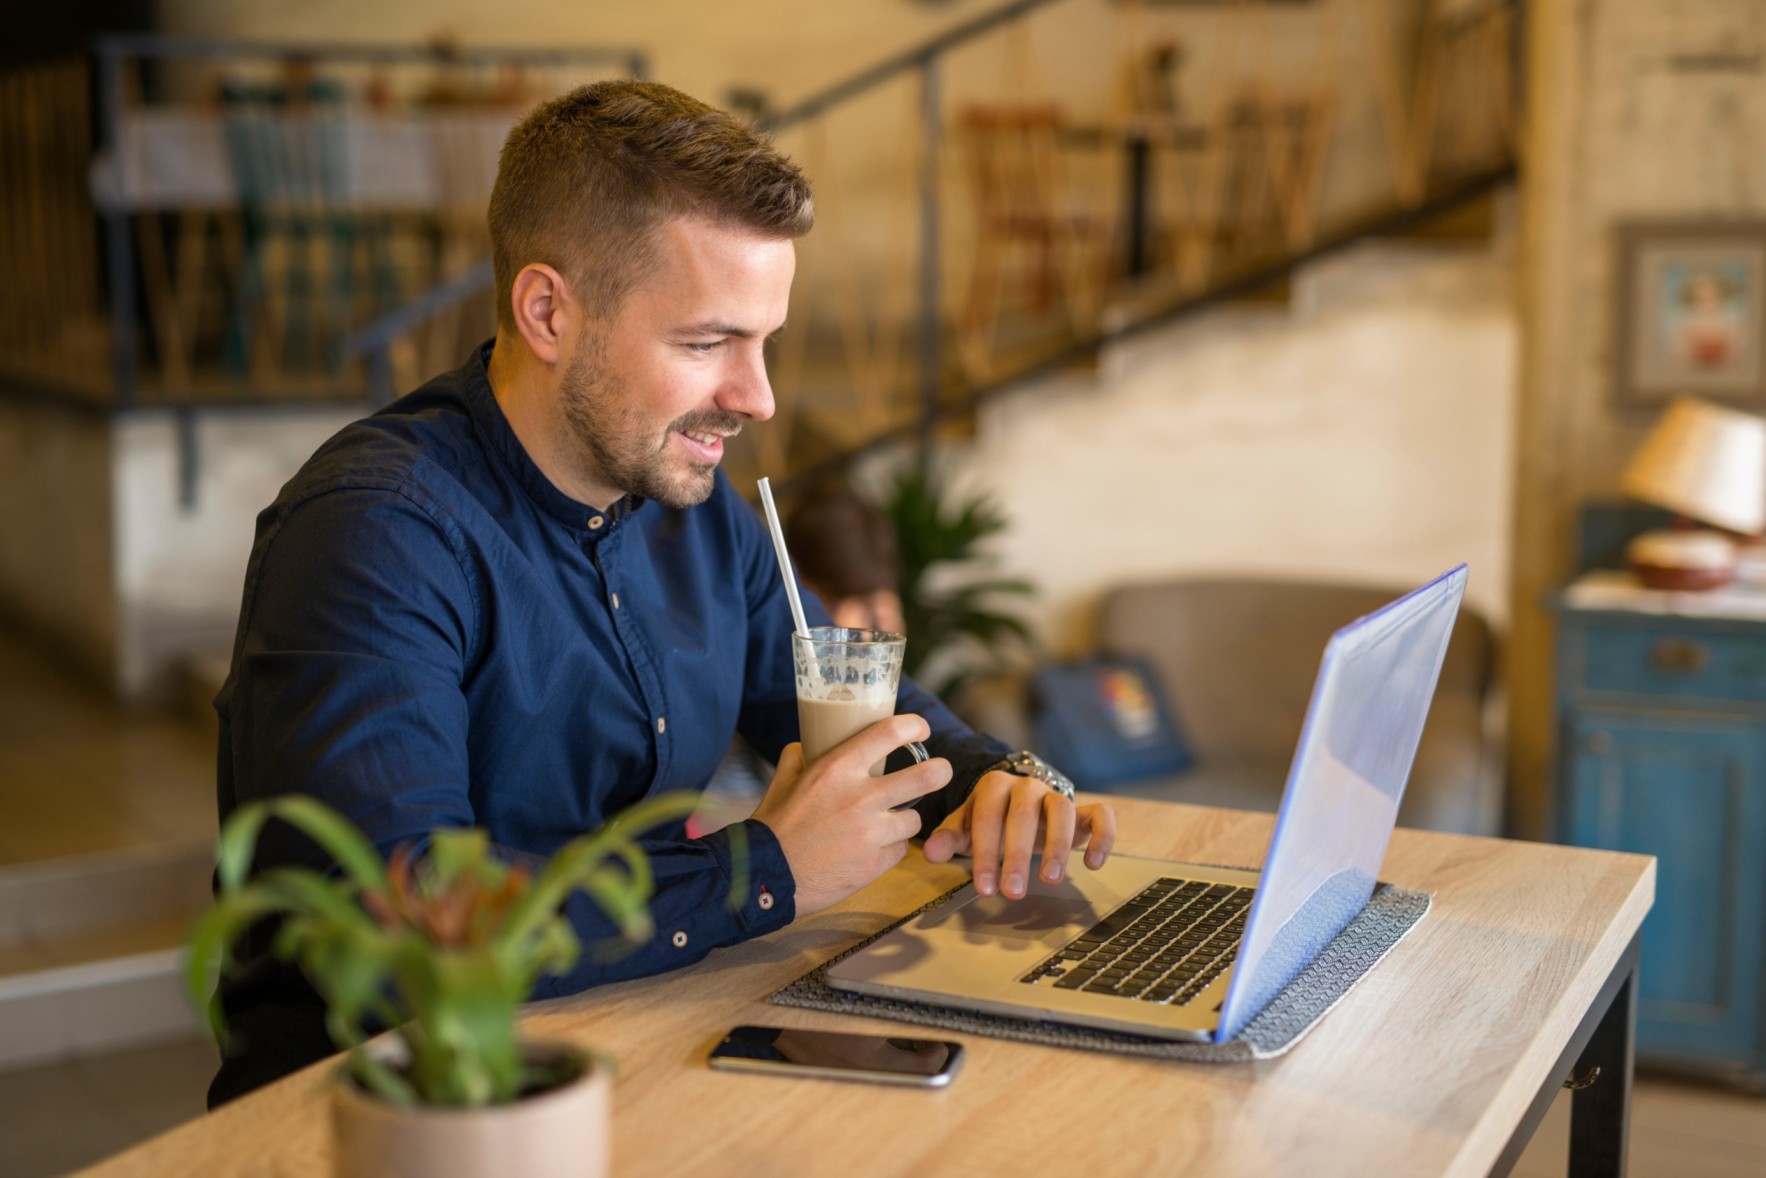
(180, 568)
(100, 558)
(55, 530)
(793, 48)
(1363, 435)
(1639, 109)
(863, 156)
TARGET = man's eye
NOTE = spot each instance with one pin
(705, 349)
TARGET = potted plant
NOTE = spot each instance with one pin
(951, 602)
(443, 947)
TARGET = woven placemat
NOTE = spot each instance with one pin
(1390, 914)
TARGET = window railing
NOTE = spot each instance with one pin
(1006, 196)
(244, 207)
(299, 223)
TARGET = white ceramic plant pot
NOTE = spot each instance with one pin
(562, 1131)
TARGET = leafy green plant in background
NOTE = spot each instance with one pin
(949, 597)
(445, 946)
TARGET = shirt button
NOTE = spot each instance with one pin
(616, 601)
(766, 901)
(661, 725)
(680, 939)
(595, 522)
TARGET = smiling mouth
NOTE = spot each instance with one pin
(705, 447)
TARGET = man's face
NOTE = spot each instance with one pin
(652, 395)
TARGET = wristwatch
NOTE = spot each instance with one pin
(1027, 764)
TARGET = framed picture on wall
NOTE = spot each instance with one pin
(1691, 312)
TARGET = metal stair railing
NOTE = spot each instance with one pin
(958, 403)
(1421, 99)
(375, 341)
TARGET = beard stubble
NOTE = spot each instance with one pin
(626, 450)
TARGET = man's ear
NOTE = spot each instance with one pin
(544, 311)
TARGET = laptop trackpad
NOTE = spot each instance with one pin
(1031, 919)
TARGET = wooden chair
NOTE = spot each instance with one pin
(1024, 213)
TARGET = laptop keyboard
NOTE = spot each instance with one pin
(1164, 945)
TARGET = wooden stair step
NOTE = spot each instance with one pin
(91, 950)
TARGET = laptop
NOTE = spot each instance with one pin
(1186, 952)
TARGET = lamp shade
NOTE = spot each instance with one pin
(1705, 462)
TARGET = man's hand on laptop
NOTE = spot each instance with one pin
(836, 823)
(1006, 818)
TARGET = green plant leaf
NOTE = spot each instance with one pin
(582, 858)
(384, 1082)
(553, 949)
(738, 836)
(238, 841)
(340, 840)
(211, 938)
(454, 854)
(303, 890)
(352, 970)
(627, 907)
(337, 836)
(470, 1050)
(963, 602)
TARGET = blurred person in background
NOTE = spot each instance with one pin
(845, 552)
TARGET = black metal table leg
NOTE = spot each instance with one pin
(1597, 1064)
(1600, 1110)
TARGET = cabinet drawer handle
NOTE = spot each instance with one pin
(1680, 656)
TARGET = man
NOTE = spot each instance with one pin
(523, 597)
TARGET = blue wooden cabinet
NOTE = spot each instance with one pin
(1662, 750)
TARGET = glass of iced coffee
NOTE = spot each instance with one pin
(846, 681)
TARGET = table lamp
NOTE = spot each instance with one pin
(1708, 465)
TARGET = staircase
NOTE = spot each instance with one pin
(91, 951)
(104, 860)
(1054, 176)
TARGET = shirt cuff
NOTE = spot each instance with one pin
(750, 856)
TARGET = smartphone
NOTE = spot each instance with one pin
(918, 1063)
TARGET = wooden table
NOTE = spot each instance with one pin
(1138, 137)
(1440, 1062)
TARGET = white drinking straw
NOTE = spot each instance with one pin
(772, 519)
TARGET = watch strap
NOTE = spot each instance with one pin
(1027, 764)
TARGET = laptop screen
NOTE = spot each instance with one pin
(1341, 802)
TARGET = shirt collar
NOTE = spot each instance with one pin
(490, 423)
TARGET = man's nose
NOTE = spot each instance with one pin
(748, 391)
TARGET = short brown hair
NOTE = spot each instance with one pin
(586, 179)
(843, 546)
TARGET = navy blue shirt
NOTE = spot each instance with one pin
(433, 635)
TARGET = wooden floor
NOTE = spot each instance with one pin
(77, 776)
(1679, 1129)
(60, 1117)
